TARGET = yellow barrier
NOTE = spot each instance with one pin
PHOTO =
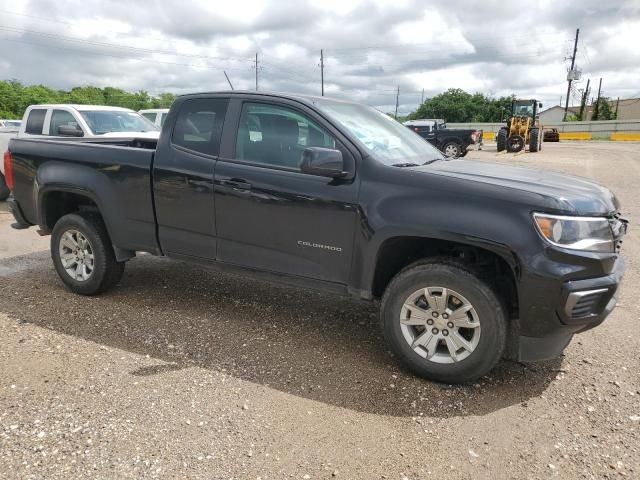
(625, 137)
(575, 135)
(488, 136)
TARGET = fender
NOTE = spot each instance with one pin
(472, 224)
(125, 233)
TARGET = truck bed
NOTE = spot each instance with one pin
(114, 172)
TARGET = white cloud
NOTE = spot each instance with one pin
(371, 47)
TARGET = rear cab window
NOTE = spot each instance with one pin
(35, 121)
(199, 125)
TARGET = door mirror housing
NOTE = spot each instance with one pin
(323, 162)
(70, 131)
(540, 105)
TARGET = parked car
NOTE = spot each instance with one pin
(471, 261)
(157, 116)
(453, 142)
(10, 124)
(76, 121)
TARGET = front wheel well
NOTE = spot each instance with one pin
(397, 253)
(57, 204)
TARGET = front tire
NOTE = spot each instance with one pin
(534, 140)
(501, 139)
(82, 254)
(443, 322)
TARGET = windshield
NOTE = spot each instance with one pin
(523, 109)
(385, 139)
(106, 121)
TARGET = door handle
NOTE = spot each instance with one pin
(236, 184)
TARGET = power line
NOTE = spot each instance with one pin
(83, 41)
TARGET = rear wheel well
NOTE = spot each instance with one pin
(399, 252)
(57, 204)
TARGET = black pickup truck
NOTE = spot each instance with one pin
(470, 261)
(453, 142)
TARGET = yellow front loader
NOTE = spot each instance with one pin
(523, 128)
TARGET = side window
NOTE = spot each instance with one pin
(151, 116)
(35, 121)
(277, 136)
(199, 124)
(61, 118)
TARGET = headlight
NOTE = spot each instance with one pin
(579, 233)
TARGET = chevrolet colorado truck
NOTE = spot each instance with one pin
(470, 261)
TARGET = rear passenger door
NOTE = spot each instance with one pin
(183, 178)
(269, 215)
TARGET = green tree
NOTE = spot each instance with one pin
(15, 97)
(602, 110)
(456, 105)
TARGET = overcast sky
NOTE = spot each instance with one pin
(371, 47)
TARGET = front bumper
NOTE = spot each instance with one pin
(581, 305)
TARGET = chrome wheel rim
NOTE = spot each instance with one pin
(451, 150)
(76, 255)
(440, 325)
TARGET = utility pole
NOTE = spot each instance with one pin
(422, 100)
(322, 72)
(397, 100)
(583, 101)
(256, 71)
(570, 79)
(596, 109)
(617, 105)
(227, 77)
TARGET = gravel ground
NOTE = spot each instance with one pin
(185, 372)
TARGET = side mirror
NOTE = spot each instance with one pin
(323, 162)
(70, 131)
(539, 105)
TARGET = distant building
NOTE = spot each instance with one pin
(555, 114)
(628, 109)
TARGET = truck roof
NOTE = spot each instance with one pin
(423, 121)
(81, 108)
(290, 96)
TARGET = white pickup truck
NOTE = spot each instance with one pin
(64, 120)
(155, 115)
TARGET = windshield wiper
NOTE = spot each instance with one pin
(429, 162)
(405, 165)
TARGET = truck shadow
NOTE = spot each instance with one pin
(312, 345)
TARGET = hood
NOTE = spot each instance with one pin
(566, 193)
(152, 134)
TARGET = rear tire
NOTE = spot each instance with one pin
(501, 139)
(452, 150)
(84, 236)
(438, 360)
(4, 190)
(534, 140)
